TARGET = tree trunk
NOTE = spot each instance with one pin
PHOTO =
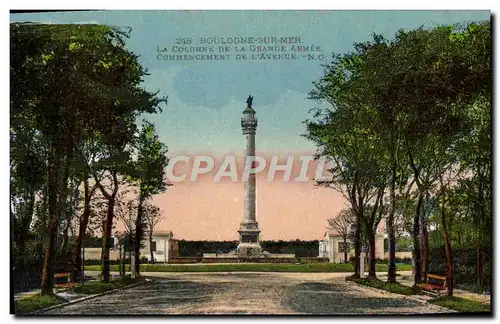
(479, 265)
(48, 266)
(23, 234)
(65, 238)
(449, 266)
(448, 252)
(357, 246)
(449, 262)
(25, 223)
(371, 267)
(345, 249)
(391, 273)
(13, 226)
(68, 217)
(151, 248)
(108, 227)
(63, 191)
(138, 237)
(479, 226)
(425, 249)
(105, 240)
(77, 252)
(417, 253)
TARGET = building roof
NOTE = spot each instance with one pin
(331, 233)
(166, 233)
(381, 230)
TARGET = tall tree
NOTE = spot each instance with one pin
(152, 216)
(419, 83)
(149, 174)
(344, 135)
(86, 70)
(342, 224)
(126, 213)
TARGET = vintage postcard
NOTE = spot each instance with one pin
(195, 162)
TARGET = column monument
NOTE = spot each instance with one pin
(249, 245)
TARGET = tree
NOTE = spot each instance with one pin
(126, 213)
(344, 135)
(152, 216)
(342, 224)
(149, 174)
(88, 150)
(88, 71)
(419, 85)
(475, 152)
(407, 104)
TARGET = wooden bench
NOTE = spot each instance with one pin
(435, 283)
(67, 284)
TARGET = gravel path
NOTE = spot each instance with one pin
(246, 293)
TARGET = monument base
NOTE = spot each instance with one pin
(249, 246)
(249, 250)
(236, 257)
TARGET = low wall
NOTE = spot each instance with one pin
(249, 260)
(95, 254)
(184, 260)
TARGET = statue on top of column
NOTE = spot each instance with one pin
(249, 101)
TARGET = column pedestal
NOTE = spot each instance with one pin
(249, 245)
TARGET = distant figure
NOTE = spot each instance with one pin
(249, 102)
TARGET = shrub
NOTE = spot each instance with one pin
(36, 302)
(461, 304)
(396, 288)
(313, 260)
(464, 265)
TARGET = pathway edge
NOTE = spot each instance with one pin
(402, 296)
(74, 301)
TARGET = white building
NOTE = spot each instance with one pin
(164, 247)
(332, 246)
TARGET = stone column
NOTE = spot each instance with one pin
(249, 245)
(249, 207)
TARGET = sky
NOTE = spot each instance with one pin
(206, 99)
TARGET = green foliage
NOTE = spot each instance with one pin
(75, 97)
(36, 302)
(412, 110)
(396, 288)
(149, 168)
(68, 60)
(461, 305)
(464, 265)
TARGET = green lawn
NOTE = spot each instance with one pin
(264, 267)
(461, 304)
(396, 288)
(36, 302)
